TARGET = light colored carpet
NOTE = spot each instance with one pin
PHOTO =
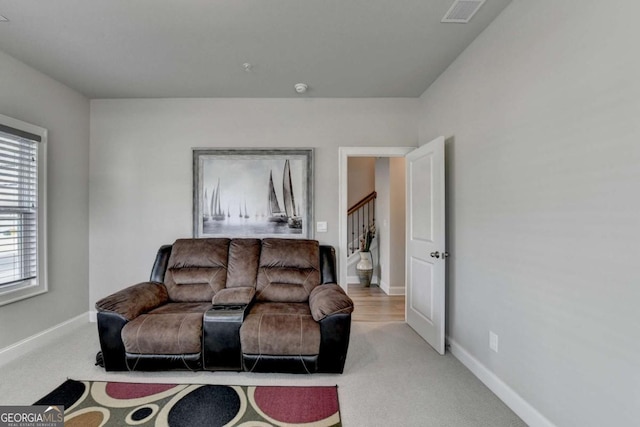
(392, 378)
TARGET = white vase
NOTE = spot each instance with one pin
(364, 268)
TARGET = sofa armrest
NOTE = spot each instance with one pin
(234, 296)
(329, 299)
(134, 300)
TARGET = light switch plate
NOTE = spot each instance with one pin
(321, 227)
(493, 341)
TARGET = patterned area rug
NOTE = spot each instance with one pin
(96, 403)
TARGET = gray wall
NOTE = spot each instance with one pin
(543, 156)
(397, 232)
(541, 115)
(141, 174)
(29, 95)
(383, 220)
(361, 178)
(390, 223)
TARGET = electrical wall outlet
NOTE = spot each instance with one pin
(493, 341)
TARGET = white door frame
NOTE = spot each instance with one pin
(343, 154)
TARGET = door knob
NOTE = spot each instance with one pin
(435, 254)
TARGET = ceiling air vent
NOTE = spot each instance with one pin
(462, 11)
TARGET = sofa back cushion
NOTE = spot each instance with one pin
(244, 258)
(197, 269)
(289, 270)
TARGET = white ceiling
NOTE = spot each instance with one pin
(196, 48)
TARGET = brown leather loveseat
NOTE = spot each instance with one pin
(269, 305)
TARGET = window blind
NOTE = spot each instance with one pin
(18, 206)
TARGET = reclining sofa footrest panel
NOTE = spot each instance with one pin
(162, 362)
(284, 364)
(221, 337)
(109, 331)
(334, 331)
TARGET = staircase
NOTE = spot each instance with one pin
(360, 217)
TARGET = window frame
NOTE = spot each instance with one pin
(32, 287)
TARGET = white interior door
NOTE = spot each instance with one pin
(426, 253)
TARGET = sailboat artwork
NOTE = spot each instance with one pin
(293, 220)
(271, 193)
(216, 213)
(207, 213)
(275, 213)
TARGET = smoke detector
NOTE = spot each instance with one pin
(461, 11)
(300, 87)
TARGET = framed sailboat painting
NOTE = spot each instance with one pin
(253, 192)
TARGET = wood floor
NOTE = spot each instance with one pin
(373, 305)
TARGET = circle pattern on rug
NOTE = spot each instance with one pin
(142, 414)
(297, 405)
(124, 391)
(130, 395)
(209, 405)
(88, 417)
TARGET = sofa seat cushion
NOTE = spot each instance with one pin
(174, 328)
(280, 329)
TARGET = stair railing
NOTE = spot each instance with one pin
(359, 217)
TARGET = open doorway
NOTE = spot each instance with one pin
(378, 171)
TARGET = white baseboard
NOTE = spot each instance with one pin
(513, 400)
(93, 316)
(391, 290)
(40, 339)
